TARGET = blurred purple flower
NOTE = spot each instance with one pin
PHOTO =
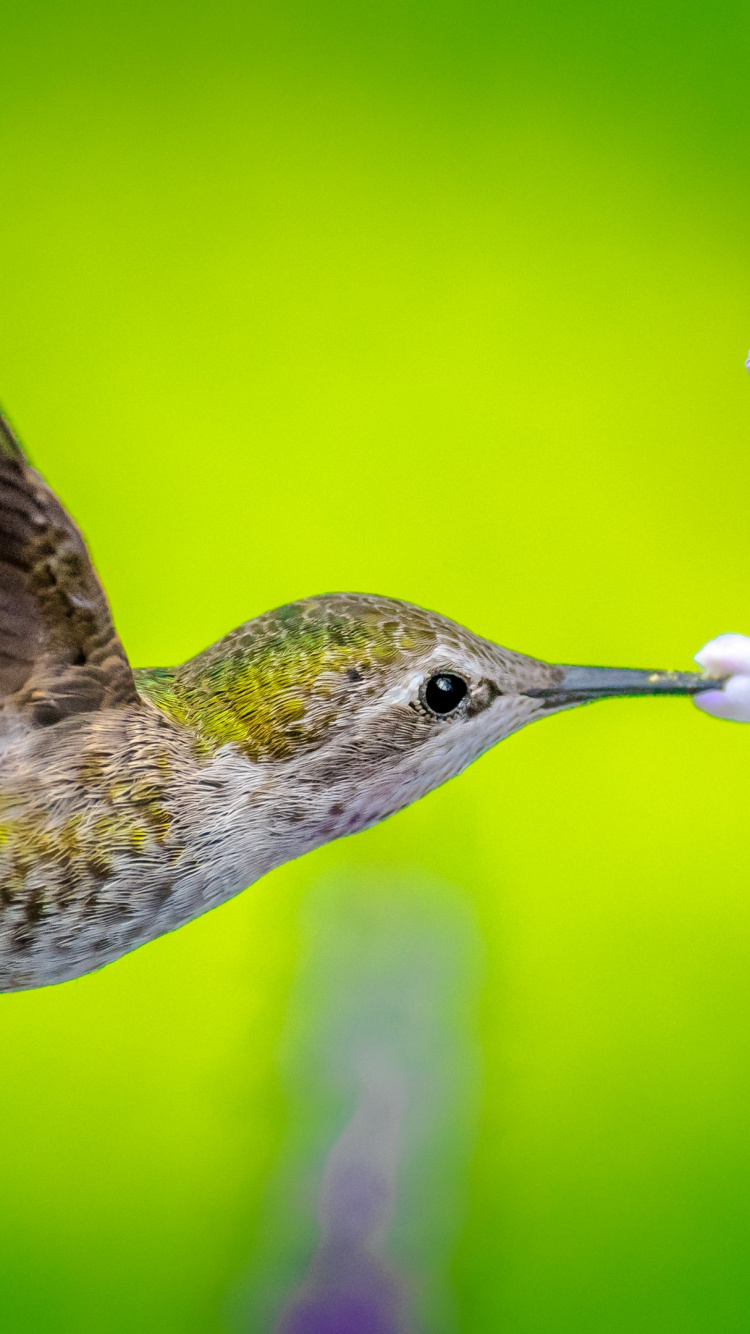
(380, 1062)
(351, 1286)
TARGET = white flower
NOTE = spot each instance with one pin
(727, 655)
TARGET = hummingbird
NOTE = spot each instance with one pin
(133, 800)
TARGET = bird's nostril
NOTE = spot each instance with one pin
(482, 696)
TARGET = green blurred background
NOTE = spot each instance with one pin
(447, 301)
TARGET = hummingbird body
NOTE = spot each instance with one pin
(132, 801)
(121, 824)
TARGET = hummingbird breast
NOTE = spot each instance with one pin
(98, 852)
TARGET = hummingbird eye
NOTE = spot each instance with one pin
(443, 692)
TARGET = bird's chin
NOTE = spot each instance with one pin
(320, 813)
(451, 750)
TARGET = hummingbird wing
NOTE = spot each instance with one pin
(59, 651)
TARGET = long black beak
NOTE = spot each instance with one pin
(581, 685)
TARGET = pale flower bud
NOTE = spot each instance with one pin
(727, 655)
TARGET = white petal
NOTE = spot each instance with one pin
(733, 702)
(725, 654)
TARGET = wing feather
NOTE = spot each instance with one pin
(59, 651)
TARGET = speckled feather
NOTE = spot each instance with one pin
(59, 652)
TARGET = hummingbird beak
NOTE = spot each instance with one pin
(582, 685)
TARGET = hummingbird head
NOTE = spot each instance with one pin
(348, 707)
